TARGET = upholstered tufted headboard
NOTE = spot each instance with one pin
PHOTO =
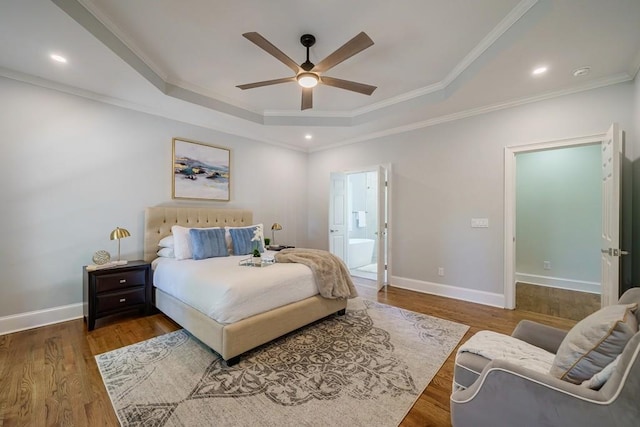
(159, 220)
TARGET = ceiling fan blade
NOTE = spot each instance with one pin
(266, 45)
(307, 98)
(267, 83)
(346, 51)
(348, 85)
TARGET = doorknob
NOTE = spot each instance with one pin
(333, 231)
(614, 252)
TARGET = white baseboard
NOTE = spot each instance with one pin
(558, 282)
(465, 294)
(35, 319)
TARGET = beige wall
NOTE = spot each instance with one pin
(74, 169)
(445, 175)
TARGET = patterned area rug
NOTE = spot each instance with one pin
(365, 368)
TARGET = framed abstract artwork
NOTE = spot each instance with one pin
(200, 171)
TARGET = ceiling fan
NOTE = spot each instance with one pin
(308, 74)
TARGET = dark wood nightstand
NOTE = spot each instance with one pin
(116, 290)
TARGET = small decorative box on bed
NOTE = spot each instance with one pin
(226, 305)
(259, 262)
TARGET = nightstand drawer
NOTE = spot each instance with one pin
(120, 280)
(118, 300)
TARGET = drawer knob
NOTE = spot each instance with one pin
(123, 299)
(123, 280)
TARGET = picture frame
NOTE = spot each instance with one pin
(200, 171)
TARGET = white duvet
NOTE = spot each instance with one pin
(228, 292)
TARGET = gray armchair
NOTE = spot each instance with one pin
(498, 393)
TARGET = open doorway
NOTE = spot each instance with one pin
(362, 224)
(558, 220)
(612, 157)
(358, 222)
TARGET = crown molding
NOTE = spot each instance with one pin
(607, 81)
(117, 32)
(502, 27)
(114, 38)
(118, 102)
(506, 23)
(48, 84)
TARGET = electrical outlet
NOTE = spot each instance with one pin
(441, 271)
(546, 265)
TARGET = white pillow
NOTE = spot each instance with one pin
(598, 380)
(166, 242)
(227, 236)
(166, 253)
(181, 242)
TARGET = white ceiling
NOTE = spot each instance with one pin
(433, 60)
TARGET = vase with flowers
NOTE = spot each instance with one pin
(257, 238)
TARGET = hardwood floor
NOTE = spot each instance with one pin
(49, 376)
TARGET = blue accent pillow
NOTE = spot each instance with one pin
(208, 243)
(242, 240)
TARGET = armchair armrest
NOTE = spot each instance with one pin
(546, 337)
(509, 395)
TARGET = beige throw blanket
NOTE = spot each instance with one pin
(493, 345)
(330, 273)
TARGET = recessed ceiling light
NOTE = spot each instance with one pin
(582, 71)
(539, 70)
(58, 58)
(308, 136)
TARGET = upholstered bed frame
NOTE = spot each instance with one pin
(228, 340)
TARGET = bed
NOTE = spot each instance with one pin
(229, 340)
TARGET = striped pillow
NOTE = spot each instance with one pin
(246, 239)
(208, 243)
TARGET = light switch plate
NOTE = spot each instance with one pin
(480, 222)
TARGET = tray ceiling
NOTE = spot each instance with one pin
(431, 61)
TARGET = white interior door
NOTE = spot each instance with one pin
(610, 251)
(338, 215)
(383, 224)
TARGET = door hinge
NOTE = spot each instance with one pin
(386, 267)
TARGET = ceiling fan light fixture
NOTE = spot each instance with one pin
(307, 79)
(309, 75)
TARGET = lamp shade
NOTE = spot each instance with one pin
(274, 228)
(119, 233)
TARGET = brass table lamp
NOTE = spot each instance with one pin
(117, 234)
(274, 227)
